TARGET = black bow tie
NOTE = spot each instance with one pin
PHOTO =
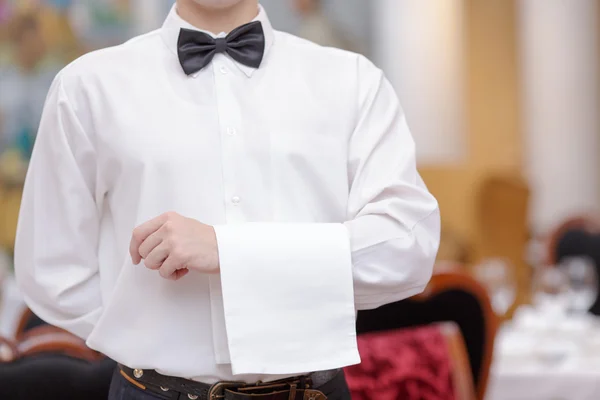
(245, 44)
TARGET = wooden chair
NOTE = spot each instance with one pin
(572, 230)
(411, 364)
(27, 322)
(502, 209)
(576, 237)
(454, 248)
(449, 297)
(51, 363)
(48, 339)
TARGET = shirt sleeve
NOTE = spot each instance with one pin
(292, 289)
(393, 220)
(56, 261)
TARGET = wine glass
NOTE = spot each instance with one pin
(497, 276)
(551, 291)
(551, 299)
(583, 283)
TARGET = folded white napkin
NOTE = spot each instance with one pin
(287, 298)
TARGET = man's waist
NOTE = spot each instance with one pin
(152, 380)
(195, 363)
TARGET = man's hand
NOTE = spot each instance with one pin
(174, 245)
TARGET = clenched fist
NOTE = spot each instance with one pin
(174, 245)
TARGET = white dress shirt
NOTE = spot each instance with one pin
(305, 166)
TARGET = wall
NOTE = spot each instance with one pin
(352, 16)
(495, 135)
(561, 102)
(420, 46)
(492, 117)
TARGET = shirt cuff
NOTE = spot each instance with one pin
(288, 297)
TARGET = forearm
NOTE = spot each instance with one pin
(396, 266)
(62, 297)
(388, 261)
(56, 259)
(56, 263)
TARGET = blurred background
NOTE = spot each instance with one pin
(503, 101)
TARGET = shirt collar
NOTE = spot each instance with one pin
(174, 23)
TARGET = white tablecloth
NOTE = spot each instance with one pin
(547, 360)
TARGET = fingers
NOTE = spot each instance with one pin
(169, 267)
(157, 257)
(141, 233)
(150, 244)
(180, 273)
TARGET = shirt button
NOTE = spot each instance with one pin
(236, 200)
(231, 131)
(223, 70)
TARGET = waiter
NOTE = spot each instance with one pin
(208, 204)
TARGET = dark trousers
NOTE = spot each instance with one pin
(121, 389)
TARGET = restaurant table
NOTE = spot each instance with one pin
(541, 358)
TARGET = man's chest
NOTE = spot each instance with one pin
(161, 129)
(231, 137)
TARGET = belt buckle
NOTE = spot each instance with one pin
(217, 391)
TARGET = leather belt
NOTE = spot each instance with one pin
(299, 388)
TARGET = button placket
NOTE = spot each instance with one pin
(231, 142)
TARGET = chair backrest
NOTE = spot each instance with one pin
(567, 238)
(27, 322)
(411, 364)
(502, 214)
(576, 237)
(51, 363)
(48, 339)
(454, 248)
(55, 377)
(454, 297)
